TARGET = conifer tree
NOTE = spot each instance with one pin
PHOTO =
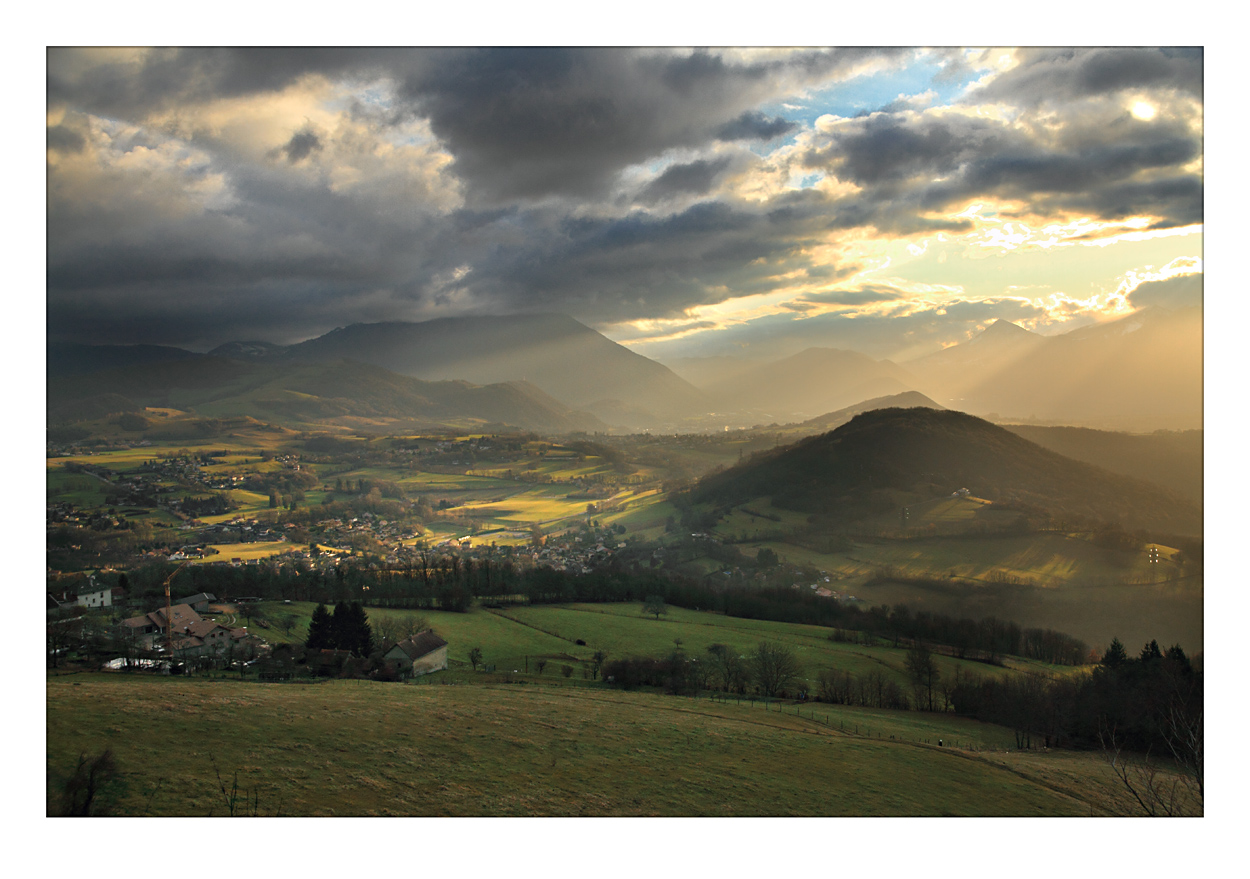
(341, 626)
(320, 630)
(1115, 655)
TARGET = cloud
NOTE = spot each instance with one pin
(870, 295)
(301, 145)
(912, 164)
(1180, 291)
(691, 178)
(199, 195)
(884, 336)
(533, 123)
(1051, 76)
(754, 125)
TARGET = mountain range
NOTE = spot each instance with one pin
(289, 392)
(1141, 373)
(566, 359)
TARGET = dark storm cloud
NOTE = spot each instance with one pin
(912, 163)
(753, 125)
(65, 139)
(518, 124)
(606, 270)
(692, 178)
(1058, 75)
(159, 79)
(163, 229)
(530, 123)
(301, 145)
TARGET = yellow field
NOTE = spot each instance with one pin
(246, 551)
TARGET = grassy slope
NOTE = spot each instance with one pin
(358, 748)
(510, 637)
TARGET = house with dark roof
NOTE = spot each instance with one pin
(152, 627)
(419, 655)
(200, 601)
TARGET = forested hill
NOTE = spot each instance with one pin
(296, 393)
(927, 452)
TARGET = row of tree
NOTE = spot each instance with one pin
(773, 670)
(346, 629)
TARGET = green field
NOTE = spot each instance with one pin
(360, 748)
(515, 638)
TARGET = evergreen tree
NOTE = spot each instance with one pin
(341, 625)
(363, 645)
(350, 625)
(1115, 655)
(320, 630)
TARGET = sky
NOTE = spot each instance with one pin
(685, 202)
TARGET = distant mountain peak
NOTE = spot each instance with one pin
(1003, 329)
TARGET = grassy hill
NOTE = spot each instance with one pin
(362, 748)
(886, 458)
(516, 637)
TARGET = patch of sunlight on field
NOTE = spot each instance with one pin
(250, 503)
(121, 459)
(528, 507)
(427, 481)
(647, 519)
(246, 551)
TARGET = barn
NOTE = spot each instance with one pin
(419, 655)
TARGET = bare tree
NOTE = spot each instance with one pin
(774, 667)
(1156, 791)
(729, 671)
(923, 671)
(84, 791)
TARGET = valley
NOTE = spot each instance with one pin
(589, 551)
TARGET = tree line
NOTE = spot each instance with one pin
(449, 581)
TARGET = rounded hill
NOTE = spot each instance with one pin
(859, 469)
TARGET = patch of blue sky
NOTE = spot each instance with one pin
(866, 94)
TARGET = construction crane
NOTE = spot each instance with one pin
(169, 615)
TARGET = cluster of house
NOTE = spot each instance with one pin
(187, 633)
(576, 557)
